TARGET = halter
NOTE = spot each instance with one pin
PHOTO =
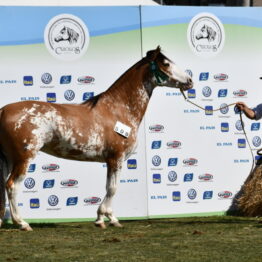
(158, 74)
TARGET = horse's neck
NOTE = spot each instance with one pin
(133, 91)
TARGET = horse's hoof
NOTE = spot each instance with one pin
(26, 228)
(101, 225)
(115, 224)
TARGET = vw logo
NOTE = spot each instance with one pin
(172, 176)
(206, 91)
(53, 200)
(156, 160)
(239, 125)
(256, 141)
(192, 194)
(29, 183)
(189, 72)
(46, 78)
(69, 95)
(224, 109)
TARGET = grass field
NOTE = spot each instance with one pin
(215, 239)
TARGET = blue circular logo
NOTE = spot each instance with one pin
(156, 160)
(192, 194)
(69, 95)
(224, 108)
(206, 91)
(189, 72)
(172, 176)
(46, 78)
(239, 125)
(29, 183)
(53, 200)
(256, 141)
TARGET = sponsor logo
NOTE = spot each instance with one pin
(237, 110)
(176, 196)
(207, 195)
(30, 98)
(173, 144)
(50, 167)
(189, 72)
(222, 93)
(69, 95)
(221, 77)
(46, 78)
(239, 125)
(256, 141)
(34, 203)
(66, 37)
(172, 161)
(156, 128)
(53, 200)
(190, 161)
(172, 176)
(205, 177)
(206, 91)
(131, 164)
(205, 35)
(31, 168)
(240, 93)
(49, 183)
(156, 178)
(29, 183)
(8, 81)
(156, 160)
(64, 80)
(51, 97)
(88, 95)
(188, 177)
(225, 194)
(85, 80)
(192, 194)
(208, 110)
(72, 201)
(224, 109)
(224, 127)
(156, 144)
(28, 81)
(69, 183)
(191, 93)
(204, 76)
(92, 200)
(241, 143)
(255, 126)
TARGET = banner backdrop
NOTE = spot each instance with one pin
(188, 161)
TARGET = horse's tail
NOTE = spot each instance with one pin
(3, 174)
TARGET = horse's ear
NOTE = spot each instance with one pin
(152, 55)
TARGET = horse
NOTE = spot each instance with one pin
(101, 129)
(206, 32)
(67, 34)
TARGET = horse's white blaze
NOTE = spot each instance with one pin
(178, 74)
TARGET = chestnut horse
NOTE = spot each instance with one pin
(84, 132)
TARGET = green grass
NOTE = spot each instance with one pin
(215, 239)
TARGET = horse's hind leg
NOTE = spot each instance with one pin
(105, 209)
(17, 175)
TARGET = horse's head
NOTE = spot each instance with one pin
(167, 73)
(62, 35)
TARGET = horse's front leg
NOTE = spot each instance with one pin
(105, 209)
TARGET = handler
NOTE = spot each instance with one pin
(254, 113)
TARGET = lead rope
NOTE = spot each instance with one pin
(242, 124)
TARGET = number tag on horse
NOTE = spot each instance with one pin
(122, 129)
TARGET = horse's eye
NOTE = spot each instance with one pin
(166, 64)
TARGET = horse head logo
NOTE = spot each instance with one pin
(206, 32)
(67, 34)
